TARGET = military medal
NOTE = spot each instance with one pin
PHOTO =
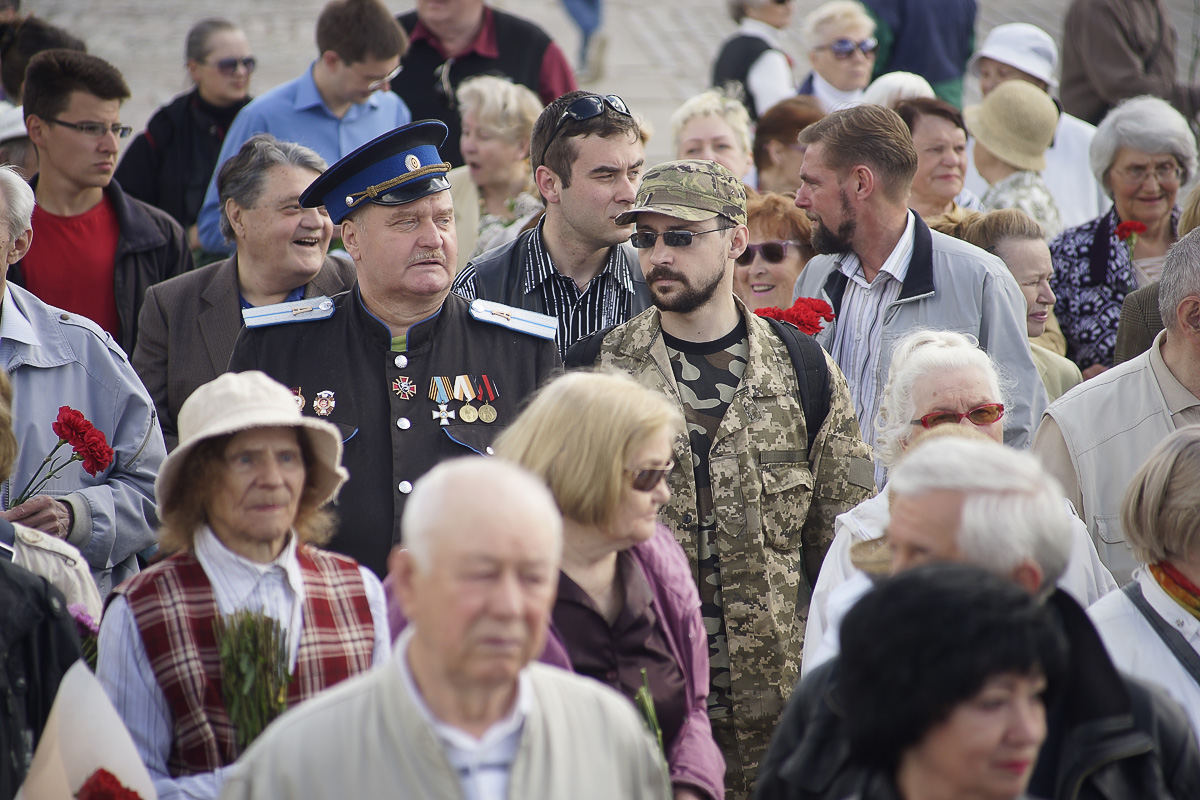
(404, 387)
(463, 390)
(324, 403)
(487, 393)
(299, 397)
(439, 392)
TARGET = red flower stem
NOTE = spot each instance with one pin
(24, 494)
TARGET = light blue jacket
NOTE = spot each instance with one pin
(54, 358)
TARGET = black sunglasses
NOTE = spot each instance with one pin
(772, 252)
(844, 48)
(587, 107)
(644, 239)
(443, 89)
(644, 480)
(228, 66)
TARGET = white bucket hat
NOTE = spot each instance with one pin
(240, 401)
(12, 124)
(1022, 46)
(1016, 122)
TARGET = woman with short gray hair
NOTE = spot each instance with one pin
(1142, 153)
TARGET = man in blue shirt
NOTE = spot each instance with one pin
(339, 104)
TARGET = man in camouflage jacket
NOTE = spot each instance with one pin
(752, 507)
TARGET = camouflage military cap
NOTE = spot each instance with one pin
(691, 190)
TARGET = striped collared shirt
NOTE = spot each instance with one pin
(858, 340)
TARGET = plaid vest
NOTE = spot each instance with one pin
(174, 607)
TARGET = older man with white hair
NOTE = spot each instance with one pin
(461, 711)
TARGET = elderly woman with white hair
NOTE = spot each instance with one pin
(1142, 153)
(1152, 627)
(937, 378)
(712, 126)
(493, 191)
(752, 61)
(842, 49)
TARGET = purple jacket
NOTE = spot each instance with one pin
(694, 758)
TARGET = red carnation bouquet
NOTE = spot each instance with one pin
(87, 444)
(809, 314)
(103, 785)
(1128, 232)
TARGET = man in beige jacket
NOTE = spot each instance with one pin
(460, 711)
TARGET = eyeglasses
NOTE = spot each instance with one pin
(442, 88)
(1163, 173)
(772, 252)
(375, 86)
(95, 129)
(645, 239)
(844, 48)
(644, 480)
(228, 66)
(985, 414)
(587, 107)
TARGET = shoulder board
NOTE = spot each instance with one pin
(306, 310)
(82, 322)
(542, 326)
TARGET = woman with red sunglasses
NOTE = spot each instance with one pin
(764, 275)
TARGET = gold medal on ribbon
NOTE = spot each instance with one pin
(487, 393)
(463, 390)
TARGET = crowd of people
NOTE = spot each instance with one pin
(853, 453)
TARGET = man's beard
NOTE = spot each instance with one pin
(687, 299)
(827, 242)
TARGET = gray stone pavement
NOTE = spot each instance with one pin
(659, 51)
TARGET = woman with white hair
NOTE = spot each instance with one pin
(842, 49)
(713, 127)
(1152, 627)
(1142, 153)
(752, 61)
(937, 378)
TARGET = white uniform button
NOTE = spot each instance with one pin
(403, 423)
(490, 451)
(401, 361)
(405, 487)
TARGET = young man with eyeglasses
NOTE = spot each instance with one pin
(577, 265)
(452, 40)
(339, 104)
(95, 249)
(841, 48)
(755, 512)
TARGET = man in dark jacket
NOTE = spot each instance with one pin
(95, 250)
(1109, 736)
(577, 265)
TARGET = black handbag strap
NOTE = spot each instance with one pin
(1184, 653)
(8, 540)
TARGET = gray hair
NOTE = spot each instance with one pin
(437, 506)
(196, 47)
(243, 178)
(506, 108)
(714, 103)
(18, 201)
(915, 357)
(1013, 509)
(1180, 277)
(1147, 124)
(834, 14)
(889, 89)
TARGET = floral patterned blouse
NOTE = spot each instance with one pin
(1092, 274)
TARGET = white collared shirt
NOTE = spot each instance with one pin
(770, 77)
(483, 765)
(833, 98)
(123, 668)
(858, 340)
(13, 328)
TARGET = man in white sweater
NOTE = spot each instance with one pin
(459, 711)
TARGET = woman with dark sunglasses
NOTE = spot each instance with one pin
(628, 611)
(841, 48)
(170, 164)
(779, 248)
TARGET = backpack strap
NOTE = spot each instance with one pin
(583, 353)
(1184, 653)
(812, 376)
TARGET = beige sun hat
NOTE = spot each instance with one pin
(240, 401)
(1016, 123)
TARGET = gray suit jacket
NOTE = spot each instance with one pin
(188, 325)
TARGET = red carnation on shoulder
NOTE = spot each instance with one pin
(809, 314)
(1130, 228)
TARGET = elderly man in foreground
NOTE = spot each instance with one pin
(460, 711)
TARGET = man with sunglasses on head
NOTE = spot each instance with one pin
(340, 103)
(95, 250)
(841, 49)
(755, 511)
(577, 265)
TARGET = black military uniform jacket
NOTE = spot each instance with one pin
(344, 370)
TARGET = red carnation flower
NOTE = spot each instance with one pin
(1130, 228)
(808, 314)
(71, 425)
(103, 785)
(97, 455)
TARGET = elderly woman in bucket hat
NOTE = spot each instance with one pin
(241, 501)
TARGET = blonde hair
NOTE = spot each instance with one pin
(834, 14)
(1161, 510)
(8, 439)
(578, 434)
(714, 103)
(1189, 219)
(508, 109)
(987, 230)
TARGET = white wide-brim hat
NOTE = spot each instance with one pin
(242, 401)
(1023, 46)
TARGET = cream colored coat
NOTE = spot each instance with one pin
(61, 564)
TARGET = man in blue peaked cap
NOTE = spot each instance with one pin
(409, 373)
